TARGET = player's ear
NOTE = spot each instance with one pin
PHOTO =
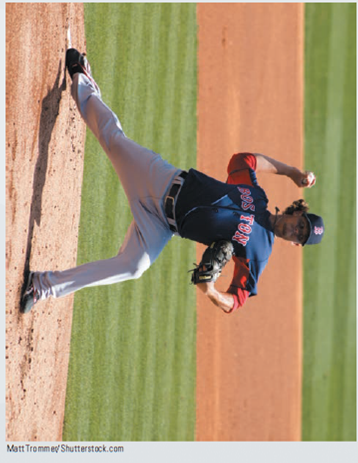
(295, 244)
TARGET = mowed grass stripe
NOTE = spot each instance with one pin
(151, 48)
(329, 402)
(343, 426)
(119, 387)
(134, 106)
(346, 214)
(183, 104)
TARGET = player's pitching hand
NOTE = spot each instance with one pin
(309, 179)
(305, 179)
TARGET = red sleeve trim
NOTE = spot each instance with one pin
(238, 284)
(239, 299)
(241, 273)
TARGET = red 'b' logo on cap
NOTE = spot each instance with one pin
(318, 230)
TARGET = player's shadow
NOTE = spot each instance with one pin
(49, 111)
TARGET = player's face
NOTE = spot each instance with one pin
(292, 228)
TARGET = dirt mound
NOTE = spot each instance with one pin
(44, 164)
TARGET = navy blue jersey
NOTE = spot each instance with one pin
(208, 210)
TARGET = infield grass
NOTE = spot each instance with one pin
(329, 381)
(133, 348)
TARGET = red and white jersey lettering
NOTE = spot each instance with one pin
(246, 199)
(249, 219)
(242, 236)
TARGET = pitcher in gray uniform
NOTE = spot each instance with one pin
(152, 187)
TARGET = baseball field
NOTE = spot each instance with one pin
(151, 359)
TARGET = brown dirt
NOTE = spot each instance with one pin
(44, 162)
(250, 99)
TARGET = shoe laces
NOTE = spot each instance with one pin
(35, 293)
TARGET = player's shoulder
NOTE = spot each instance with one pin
(240, 161)
(240, 168)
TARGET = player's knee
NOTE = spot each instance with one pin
(137, 272)
(138, 268)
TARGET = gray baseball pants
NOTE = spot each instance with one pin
(146, 179)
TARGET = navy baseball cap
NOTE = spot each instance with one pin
(316, 225)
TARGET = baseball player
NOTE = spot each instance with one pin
(167, 201)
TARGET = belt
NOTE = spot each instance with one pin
(171, 200)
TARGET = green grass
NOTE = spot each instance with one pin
(133, 347)
(329, 382)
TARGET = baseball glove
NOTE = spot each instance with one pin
(213, 260)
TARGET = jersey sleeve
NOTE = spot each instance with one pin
(238, 284)
(239, 168)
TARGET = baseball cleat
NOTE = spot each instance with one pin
(30, 295)
(77, 62)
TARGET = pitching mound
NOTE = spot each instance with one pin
(44, 160)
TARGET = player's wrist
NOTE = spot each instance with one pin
(211, 291)
(224, 301)
(294, 174)
(290, 171)
(207, 288)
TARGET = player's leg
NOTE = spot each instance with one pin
(146, 178)
(141, 171)
(143, 243)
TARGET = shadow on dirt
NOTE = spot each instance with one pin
(49, 111)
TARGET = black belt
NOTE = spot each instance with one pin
(170, 201)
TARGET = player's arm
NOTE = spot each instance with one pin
(235, 296)
(225, 301)
(269, 165)
(213, 260)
